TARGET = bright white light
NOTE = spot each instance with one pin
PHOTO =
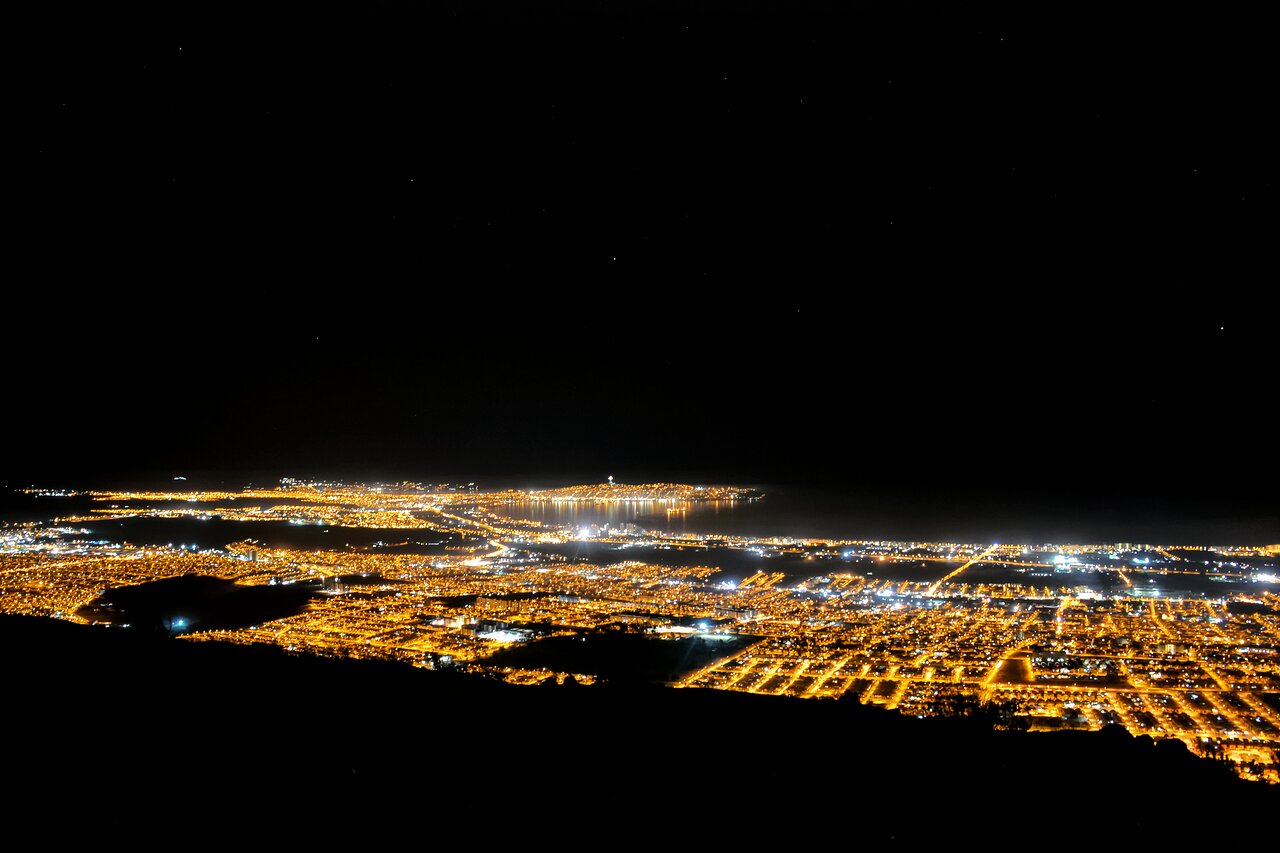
(502, 636)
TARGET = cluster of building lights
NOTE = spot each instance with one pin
(1168, 641)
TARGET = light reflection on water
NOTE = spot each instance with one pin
(664, 515)
(958, 517)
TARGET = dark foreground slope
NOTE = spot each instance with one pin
(145, 741)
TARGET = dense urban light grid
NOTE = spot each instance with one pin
(1171, 640)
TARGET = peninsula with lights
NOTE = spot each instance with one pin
(620, 492)
(1168, 641)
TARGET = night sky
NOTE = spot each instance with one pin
(903, 247)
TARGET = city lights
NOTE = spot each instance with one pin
(1183, 643)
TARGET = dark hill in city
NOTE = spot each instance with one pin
(195, 603)
(114, 736)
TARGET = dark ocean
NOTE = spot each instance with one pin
(959, 515)
(806, 511)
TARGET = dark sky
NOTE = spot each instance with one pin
(900, 246)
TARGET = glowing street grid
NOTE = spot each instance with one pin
(1170, 641)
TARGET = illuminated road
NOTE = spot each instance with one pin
(950, 575)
